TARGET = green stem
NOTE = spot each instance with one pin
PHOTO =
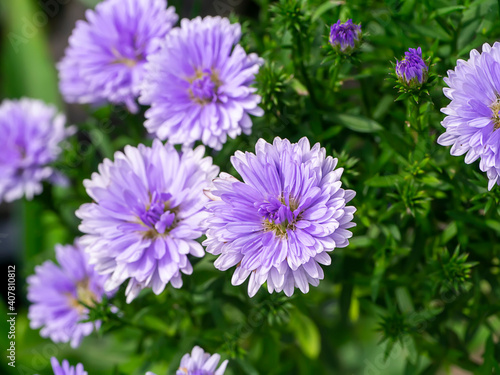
(413, 118)
(335, 73)
(129, 323)
(299, 65)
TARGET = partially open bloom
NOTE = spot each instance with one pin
(198, 85)
(473, 118)
(31, 133)
(56, 293)
(280, 222)
(345, 37)
(66, 369)
(200, 363)
(146, 216)
(412, 71)
(106, 55)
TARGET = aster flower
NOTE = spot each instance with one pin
(146, 216)
(56, 293)
(106, 55)
(412, 71)
(200, 363)
(345, 37)
(473, 119)
(280, 222)
(31, 133)
(198, 85)
(66, 369)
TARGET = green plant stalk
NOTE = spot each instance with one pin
(335, 73)
(412, 123)
(299, 65)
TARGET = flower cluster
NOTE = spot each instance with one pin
(106, 55)
(345, 37)
(412, 70)
(198, 85)
(473, 115)
(146, 216)
(278, 225)
(31, 136)
(59, 293)
(151, 205)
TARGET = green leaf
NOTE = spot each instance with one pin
(404, 300)
(449, 233)
(447, 10)
(306, 333)
(357, 123)
(384, 181)
(490, 364)
(495, 225)
(323, 8)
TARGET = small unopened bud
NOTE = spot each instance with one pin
(412, 71)
(345, 37)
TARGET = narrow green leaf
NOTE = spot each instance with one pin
(358, 123)
(323, 8)
(384, 181)
(306, 333)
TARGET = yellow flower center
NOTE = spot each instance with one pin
(83, 295)
(495, 108)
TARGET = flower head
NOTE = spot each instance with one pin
(200, 363)
(146, 216)
(106, 55)
(66, 369)
(473, 119)
(280, 222)
(345, 37)
(412, 71)
(198, 85)
(31, 133)
(57, 293)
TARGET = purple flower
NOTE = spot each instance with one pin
(198, 85)
(31, 133)
(473, 118)
(200, 363)
(56, 291)
(147, 214)
(345, 37)
(412, 70)
(106, 55)
(66, 369)
(280, 222)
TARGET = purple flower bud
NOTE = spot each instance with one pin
(345, 37)
(412, 70)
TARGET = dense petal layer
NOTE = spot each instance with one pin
(55, 293)
(147, 213)
(106, 55)
(473, 116)
(278, 224)
(198, 85)
(31, 136)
